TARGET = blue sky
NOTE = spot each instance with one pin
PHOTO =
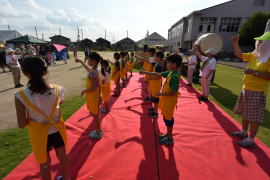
(94, 16)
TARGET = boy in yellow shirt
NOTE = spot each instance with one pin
(252, 100)
(169, 94)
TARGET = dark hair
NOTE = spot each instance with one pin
(122, 54)
(94, 56)
(105, 67)
(35, 67)
(116, 56)
(117, 65)
(132, 53)
(152, 50)
(160, 54)
(145, 48)
(175, 58)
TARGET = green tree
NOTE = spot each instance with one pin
(254, 27)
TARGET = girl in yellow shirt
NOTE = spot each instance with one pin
(92, 92)
(37, 109)
(116, 74)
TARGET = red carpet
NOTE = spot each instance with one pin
(203, 149)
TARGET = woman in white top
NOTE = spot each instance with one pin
(191, 67)
(38, 108)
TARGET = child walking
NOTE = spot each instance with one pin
(92, 91)
(116, 74)
(169, 94)
(105, 85)
(155, 84)
(37, 107)
(191, 67)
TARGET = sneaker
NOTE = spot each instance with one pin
(162, 136)
(21, 85)
(239, 134)
(95, 131)
(17, 86)
(201, 97)
(204, 99)
(246, 143)
(95, 135)
(153, 114)
(166, 141)
(151, 109)
(104, 111)
(147, 99)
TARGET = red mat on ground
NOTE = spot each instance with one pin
(130, 150)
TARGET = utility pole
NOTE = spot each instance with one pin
(105, 34)
(60, 31)
(127, 33)
(42, 37)
(78, 36)
(36, 31)
(113, 39)
(82, 33)
(8, 28)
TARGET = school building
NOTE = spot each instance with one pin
(224, 19)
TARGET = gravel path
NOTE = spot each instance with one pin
(68, 75)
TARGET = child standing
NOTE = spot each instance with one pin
(207, 71)
(155, 84)
(92, 91)
(116, 74)
(105, 85)
(38, 108)
(123, 68)
(191, 67)
(131, 63)
(169, 94)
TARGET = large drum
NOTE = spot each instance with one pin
(210, 41)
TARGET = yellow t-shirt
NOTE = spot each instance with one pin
(251, 82)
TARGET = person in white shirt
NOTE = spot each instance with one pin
(191, 67)
(15, 68)
(207, 71)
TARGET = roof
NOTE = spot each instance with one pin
(197, 12)
(86, 39)
(7, 35)
(102, 39)
(60, 37)
(153, 39)
(127, 39)
(27, 39)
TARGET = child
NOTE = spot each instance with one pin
(92, 91)
(169, 94)
(155, 84)
(116, 74)
(208, 69)
(105, 85)
(191, 67)
(37, 108)
(65, 56)
(131, 63)
(123, 68)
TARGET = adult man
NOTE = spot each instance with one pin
(252, 100)
(15, 67)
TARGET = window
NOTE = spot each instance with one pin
(258, 2)
(207, 24)
(229, 24)
(189, 24)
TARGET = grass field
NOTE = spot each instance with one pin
(14, 143)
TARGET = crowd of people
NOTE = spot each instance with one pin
(38, 105)
(12, 58)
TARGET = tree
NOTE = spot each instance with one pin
(254, 27)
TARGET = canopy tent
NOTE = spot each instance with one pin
(7, 35)
(59, 47)
(27, 39)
